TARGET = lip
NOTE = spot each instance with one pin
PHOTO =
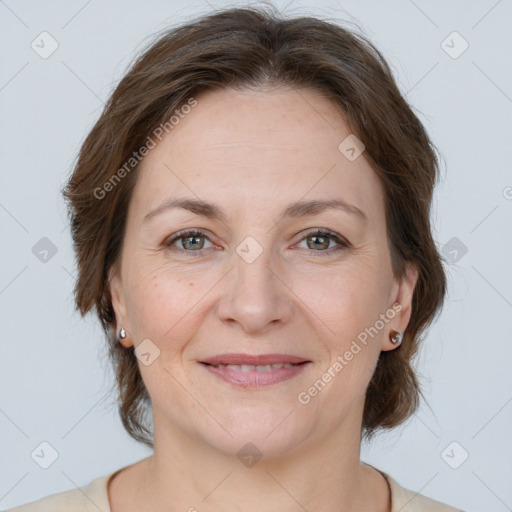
(256, 378)
(250, 359)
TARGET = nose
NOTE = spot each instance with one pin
(256, 295)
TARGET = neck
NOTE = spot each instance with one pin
(185, 473)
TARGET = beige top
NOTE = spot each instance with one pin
(94, 498)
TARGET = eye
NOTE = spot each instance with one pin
(191, 240)
(321, 239)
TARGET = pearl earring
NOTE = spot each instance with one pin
(396, 337)
(122, 334)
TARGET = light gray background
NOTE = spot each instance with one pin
(54, 375)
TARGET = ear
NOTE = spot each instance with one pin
(117, 296)
(402, 295)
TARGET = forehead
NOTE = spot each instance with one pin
(253, 150)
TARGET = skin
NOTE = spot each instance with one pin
(253, 153)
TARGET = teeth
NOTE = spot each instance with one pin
(250, 367)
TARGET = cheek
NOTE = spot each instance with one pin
(160, 301)
(350, 305)
(348, 298)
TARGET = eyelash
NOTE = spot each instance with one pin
(187, 233)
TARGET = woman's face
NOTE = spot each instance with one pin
(254, 277)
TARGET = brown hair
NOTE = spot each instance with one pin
(257, 47)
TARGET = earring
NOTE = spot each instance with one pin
(396, 337)
(122, 334)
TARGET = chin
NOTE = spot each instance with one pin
(262, 430)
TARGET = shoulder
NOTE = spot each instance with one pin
(405, 500)
(92, 497)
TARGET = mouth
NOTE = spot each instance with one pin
(253, 359)
(257, 367)
(253, 371)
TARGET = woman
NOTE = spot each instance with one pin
(251, 221)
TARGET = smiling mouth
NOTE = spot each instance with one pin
(254, 376)
(257, 367)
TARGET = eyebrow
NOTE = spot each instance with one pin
(294, 210)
